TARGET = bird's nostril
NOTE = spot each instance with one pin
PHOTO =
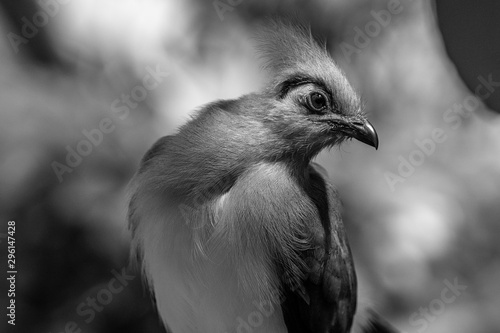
(358, 123)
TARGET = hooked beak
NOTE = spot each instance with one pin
(362, 131)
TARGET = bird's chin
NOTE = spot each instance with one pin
(327, 142)
(335, 138)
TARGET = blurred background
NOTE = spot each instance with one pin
(87, 86)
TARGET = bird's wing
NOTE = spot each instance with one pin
(221, 266)
(331, 281)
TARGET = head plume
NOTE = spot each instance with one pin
(287, 46)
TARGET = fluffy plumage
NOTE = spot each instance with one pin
(377, 324)
(229, 216)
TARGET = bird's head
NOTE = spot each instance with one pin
(312, 104)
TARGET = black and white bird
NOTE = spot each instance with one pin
(235, 228)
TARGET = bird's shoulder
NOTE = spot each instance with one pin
(157, 149)
(334, 251)
(327, 297)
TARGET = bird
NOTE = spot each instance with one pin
(234, 226)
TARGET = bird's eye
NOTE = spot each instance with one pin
(317, 101)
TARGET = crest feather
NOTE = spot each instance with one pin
(287, 45)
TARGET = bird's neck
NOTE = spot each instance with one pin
(218, 146)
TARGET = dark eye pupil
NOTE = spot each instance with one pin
(318, 101)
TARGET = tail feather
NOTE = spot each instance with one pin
(376, 324)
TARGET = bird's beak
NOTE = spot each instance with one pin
(363, 131)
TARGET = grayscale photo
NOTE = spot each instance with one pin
(250, 166)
